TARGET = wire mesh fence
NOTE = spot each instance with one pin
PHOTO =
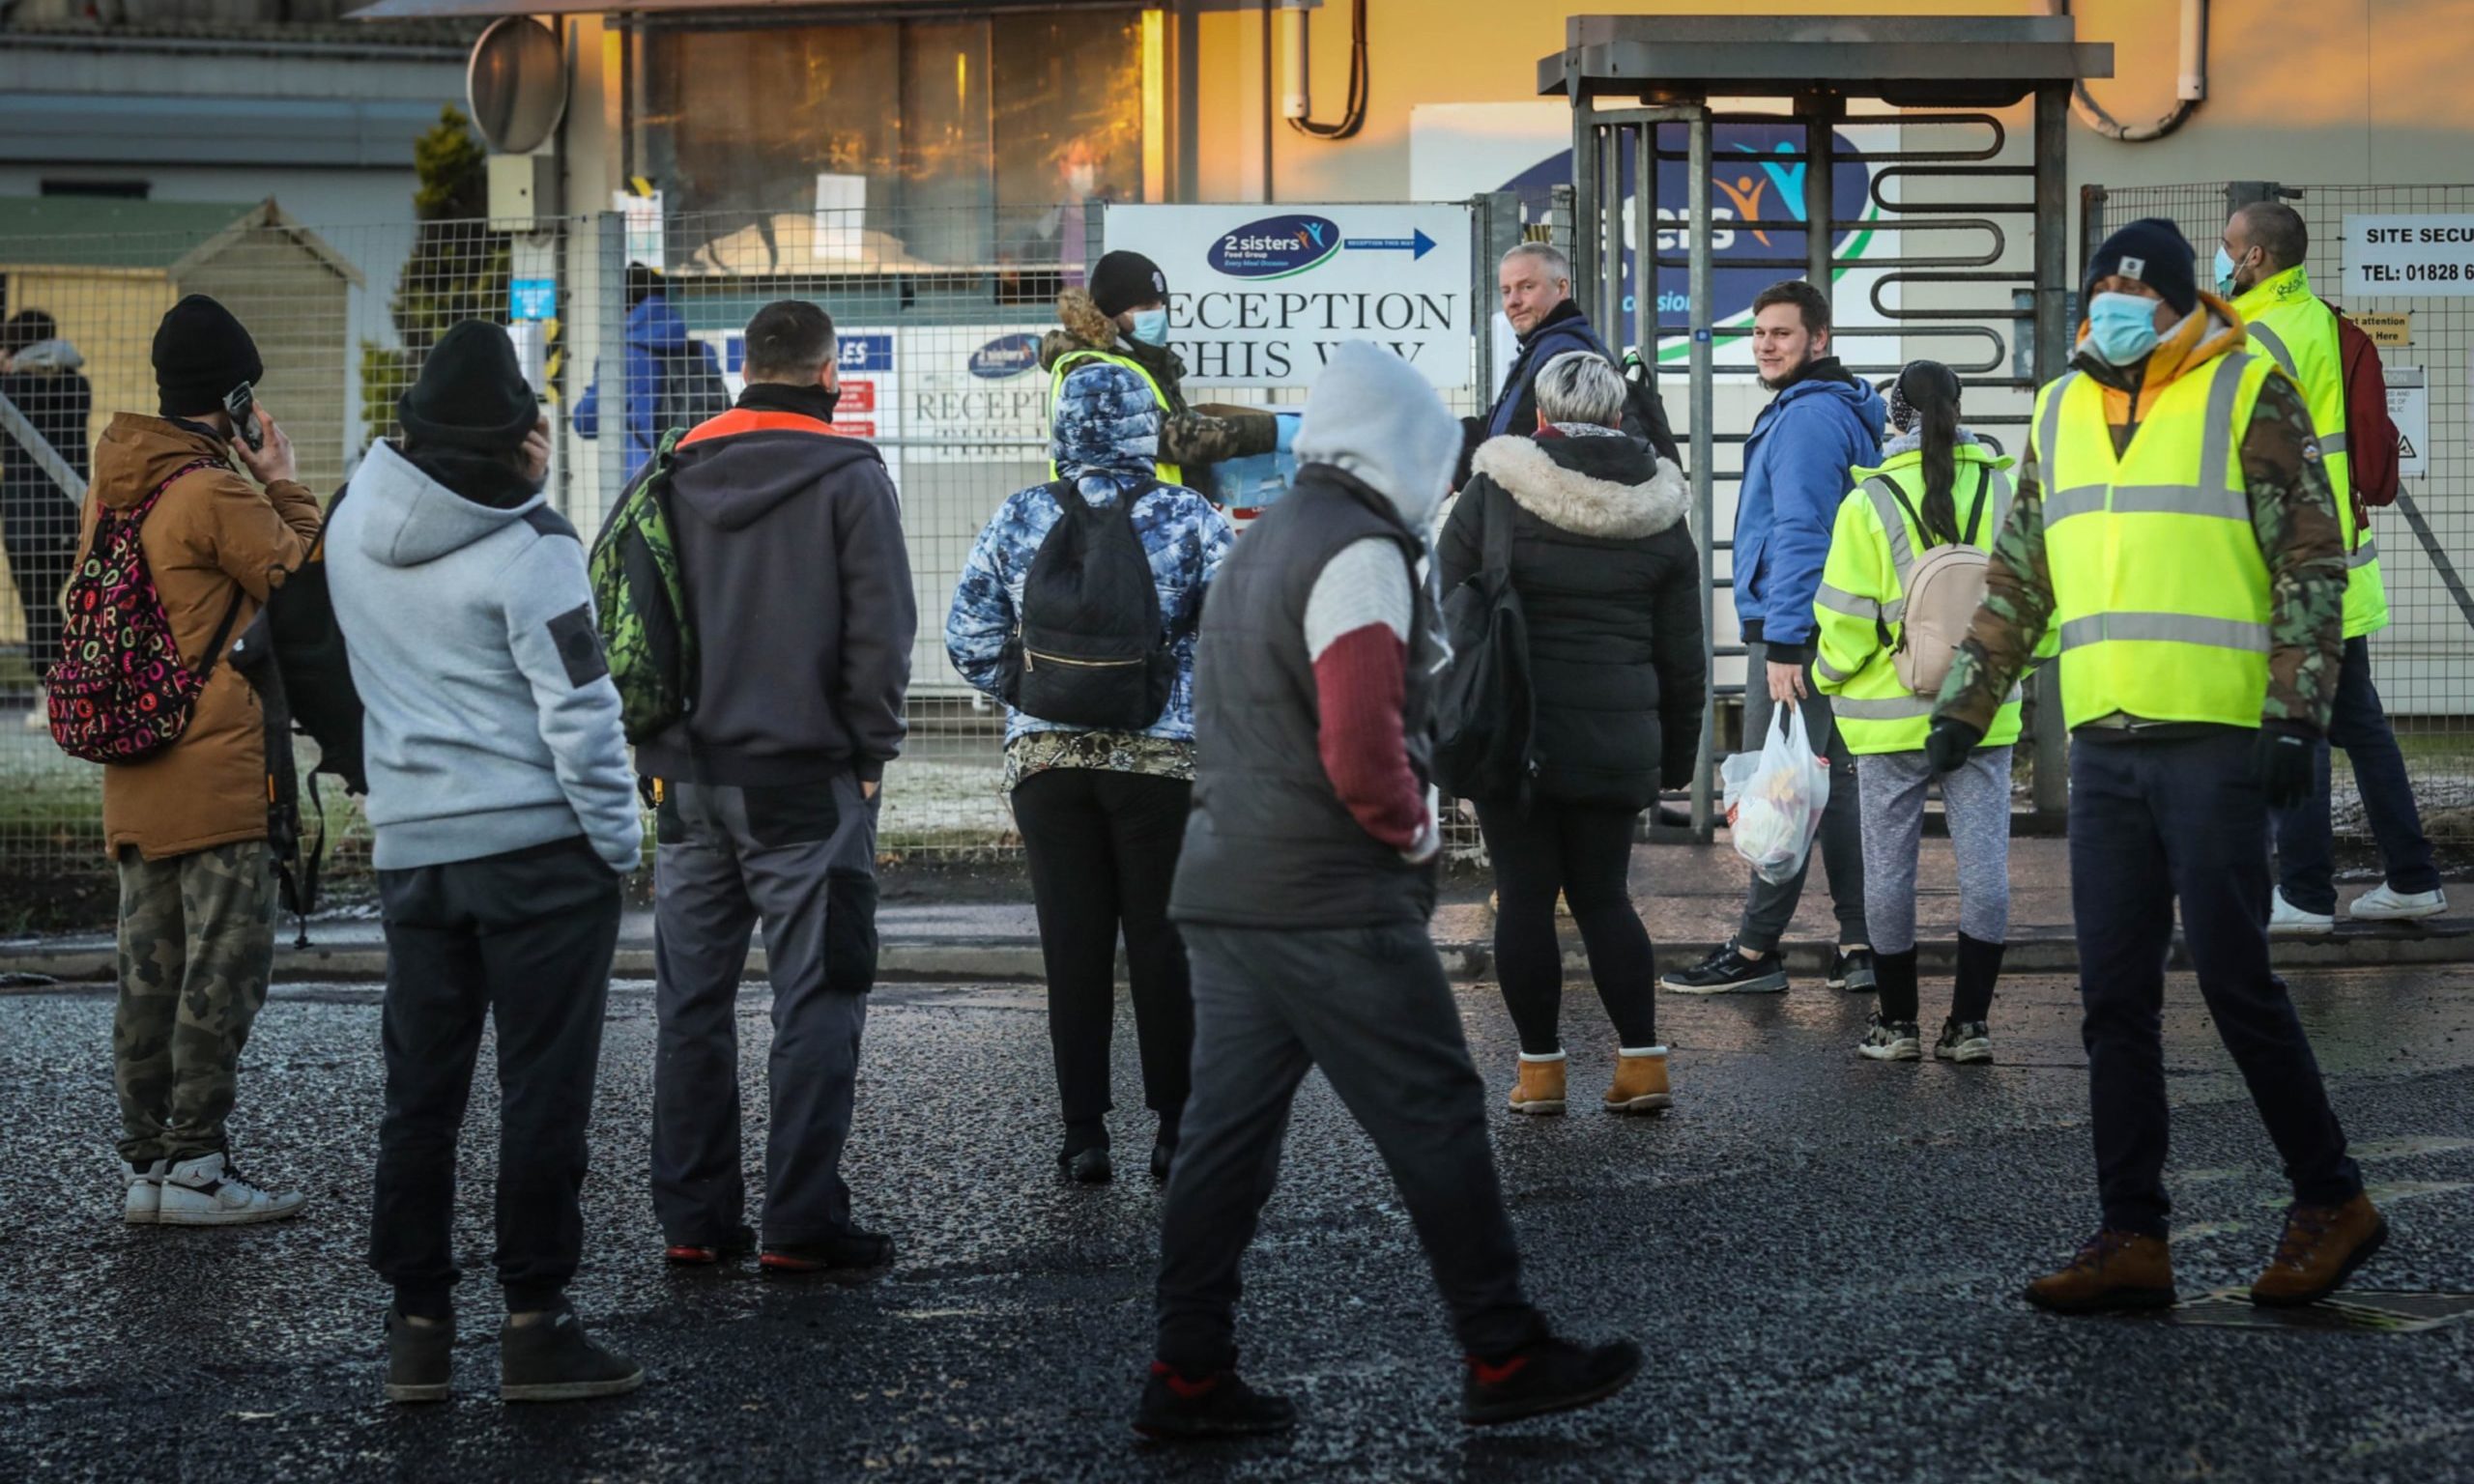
(941, 367)
(2424, 659)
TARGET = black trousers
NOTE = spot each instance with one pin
(524, 940)
(1585, 852)
(1103, 851)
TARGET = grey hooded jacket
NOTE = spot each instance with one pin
(492, 722)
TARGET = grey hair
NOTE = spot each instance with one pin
(1547, 254)
(1580, 386)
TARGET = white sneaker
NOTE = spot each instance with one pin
(2286, 918)
(145, 1202)
(208, 1191)
(2384, 904)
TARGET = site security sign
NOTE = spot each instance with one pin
(1261, 297)
(2424, 255)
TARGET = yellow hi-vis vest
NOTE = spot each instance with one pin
(1165, 473)
(2160, 592)
(2298, 330)
(1860, 610)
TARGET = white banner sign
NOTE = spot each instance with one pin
(2409, 407)
(1261, 297)
(2409, 256)
(976, 393)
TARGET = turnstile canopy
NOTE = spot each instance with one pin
(1913, 61)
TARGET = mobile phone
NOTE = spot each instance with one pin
(241, 405)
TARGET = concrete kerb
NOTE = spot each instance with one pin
(34, 967)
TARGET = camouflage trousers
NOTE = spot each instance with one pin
(196, 947)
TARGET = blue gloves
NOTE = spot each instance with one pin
(1286, 422)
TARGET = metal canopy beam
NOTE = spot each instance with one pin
(1914, 59)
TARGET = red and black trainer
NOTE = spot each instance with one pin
(1177, 1408)
(1543, 1376)
(847, 1256)
(704, 1254)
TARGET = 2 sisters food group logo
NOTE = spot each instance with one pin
(1756, 174)
(1006, 356)
(1275, 248)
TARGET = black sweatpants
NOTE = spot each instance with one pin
(1585, 852)
(1103, 851)
(525, 940)
(1370, 1007)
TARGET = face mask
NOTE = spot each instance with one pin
(1151, 326)
(2121, 327)
(2226, 269)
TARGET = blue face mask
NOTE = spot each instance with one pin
(2121, 327)
(1151, 326)
(2226, 267)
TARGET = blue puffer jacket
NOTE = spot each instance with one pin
(1795, 474)
(1105, 438)
(656, 337)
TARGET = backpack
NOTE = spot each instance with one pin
(1944, 588)
(120, 693)
(639, 591)
(1088, 647)
(2370, 434)
(692, 390)
(1645, 412)
(1486, 707)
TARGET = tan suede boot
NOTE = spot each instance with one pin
(2114, 1272)
(1640, 1083)
(1541, 1088)
(2321, 1247)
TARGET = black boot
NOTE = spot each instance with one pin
(1084, 1159)
(1181, 1408)
(1543, 1376)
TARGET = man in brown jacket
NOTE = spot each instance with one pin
(188, 827)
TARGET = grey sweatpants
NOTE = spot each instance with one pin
(1770, 905)
(803, 858)
(1977, 800)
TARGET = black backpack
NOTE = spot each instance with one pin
(1088, 647)
(692, 390)
(1486, 709)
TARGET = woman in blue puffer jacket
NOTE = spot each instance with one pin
(1103, 812)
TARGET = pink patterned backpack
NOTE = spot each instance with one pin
(120, 692)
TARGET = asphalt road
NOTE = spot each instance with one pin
(1820, 1254)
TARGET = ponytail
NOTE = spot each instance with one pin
(1931, 390)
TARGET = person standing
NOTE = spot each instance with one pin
(799, 595)
(40, 376)
(1609, 582)
(1122, 320)
(1822, 421)
(1535, 285)
(1304, 891)
(501, 888)
(669, 377)
(2175, 526)
(1936, 487)
(187, 826)
(1102, 809)
(2260, 266)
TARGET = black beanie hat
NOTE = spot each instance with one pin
(470, 394)
(201, 352)
(2155, 252)
(1121, 280)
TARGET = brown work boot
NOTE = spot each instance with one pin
(1541, 1088)
(1640, 1083)
(2322, 1246)
(2114, 1272)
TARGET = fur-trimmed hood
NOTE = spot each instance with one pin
(1081, 327)
(1610, 488)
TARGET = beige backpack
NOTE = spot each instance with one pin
(1942, 589)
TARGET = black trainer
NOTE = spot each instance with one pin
(1728, 971)
(845, 1256)
(1543, 1376)
(1087, 1166)
(1853, 972)
(419, 1358)
(551, 1360)
(1176, 1409)
(1162, 1155)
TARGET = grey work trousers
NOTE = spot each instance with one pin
(1769, 908)
(803, 859)
(1370, 1006)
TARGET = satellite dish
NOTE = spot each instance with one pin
(517, 84)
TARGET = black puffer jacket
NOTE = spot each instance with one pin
(1610, 577)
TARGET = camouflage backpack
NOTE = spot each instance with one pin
(639, 590)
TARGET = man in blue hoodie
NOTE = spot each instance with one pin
(506, 815)
(672, 381)
(1822, 423)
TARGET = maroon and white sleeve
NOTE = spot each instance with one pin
(1357, 634)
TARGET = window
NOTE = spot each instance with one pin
(881, 146)
(131, 191)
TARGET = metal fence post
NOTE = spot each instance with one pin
(1703, 278)
(605, 299)
(1499, 231)
(2049, 776)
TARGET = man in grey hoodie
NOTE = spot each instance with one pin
(1302, 892)
(505, 817)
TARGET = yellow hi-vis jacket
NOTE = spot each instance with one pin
(1165, 473)
(2298, 330)
(2160, 593)
(1859, 612)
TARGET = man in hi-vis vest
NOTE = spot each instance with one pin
(2174, 521)
(2259, 265)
